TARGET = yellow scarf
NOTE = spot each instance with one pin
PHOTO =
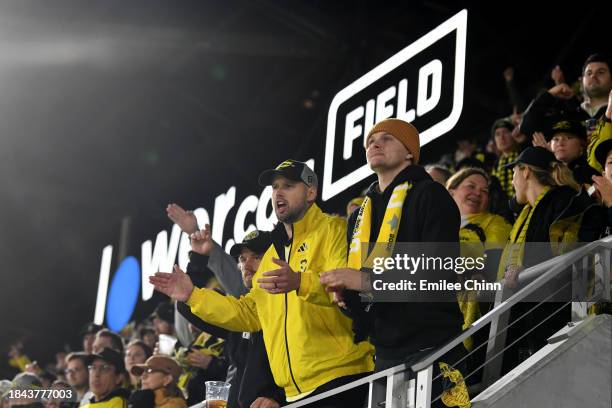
(457, 394)
(514, 250)
(388, 229)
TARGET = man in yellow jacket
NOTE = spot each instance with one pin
(308, 340)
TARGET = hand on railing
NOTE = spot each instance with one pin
(511, 275)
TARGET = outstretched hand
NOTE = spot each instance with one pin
(557, 75)
(539, 140)
(280, 280)
(176, 285)
(201, 241)
(186, 220)
(604, 187)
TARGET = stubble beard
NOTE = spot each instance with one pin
(294, 215)
(597, 91)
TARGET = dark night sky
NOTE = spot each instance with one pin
(114, 108)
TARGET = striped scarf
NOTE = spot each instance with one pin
(514, 251)
(388, 229)
(505, 175)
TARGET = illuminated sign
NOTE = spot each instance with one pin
(116, 301)
(422, 84)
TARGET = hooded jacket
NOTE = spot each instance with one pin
(429, 214)
(308, 340)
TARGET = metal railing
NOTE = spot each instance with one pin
(410, 386)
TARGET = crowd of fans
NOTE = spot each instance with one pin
(289, 313)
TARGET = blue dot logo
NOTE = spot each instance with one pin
(123, 294)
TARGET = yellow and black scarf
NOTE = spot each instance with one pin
(456, 394)
(505, 174)
(388, 229)
(514, 251)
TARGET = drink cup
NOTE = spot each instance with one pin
(217, 393)
(166, 344)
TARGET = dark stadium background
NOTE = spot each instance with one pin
(115, 108)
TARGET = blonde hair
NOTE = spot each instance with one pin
(172, 390)
(456, 179)
(560, 175)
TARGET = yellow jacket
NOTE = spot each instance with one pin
(495, 228)
(308, 340)
(112, 401)
(482, 232)
(603, 132)
(162, 401)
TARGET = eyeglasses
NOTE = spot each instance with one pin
(104, 368)
(151, 371)
(72, 370)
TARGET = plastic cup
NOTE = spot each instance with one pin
(217, 393)
(166, 344)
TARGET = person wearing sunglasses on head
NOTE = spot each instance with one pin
(159, 376)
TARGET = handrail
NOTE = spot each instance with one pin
(362, 381)
(561, 262)
(542, 273)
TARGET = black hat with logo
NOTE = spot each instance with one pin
(257, 241)
(110, 356)
(292, 170)
(573, 127)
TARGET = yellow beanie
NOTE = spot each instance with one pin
(402, 131)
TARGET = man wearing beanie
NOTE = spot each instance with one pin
(401, 332)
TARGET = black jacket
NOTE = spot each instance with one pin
(545, 110)
(581, 171)
(429, 214)
(562, 203)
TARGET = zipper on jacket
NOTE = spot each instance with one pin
(286, 315)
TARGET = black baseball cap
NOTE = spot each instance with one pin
(164, 311)
(257, 241)
(535, 156)
(291, 169)
(573, 127)
(602, 150)
(110, 356)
